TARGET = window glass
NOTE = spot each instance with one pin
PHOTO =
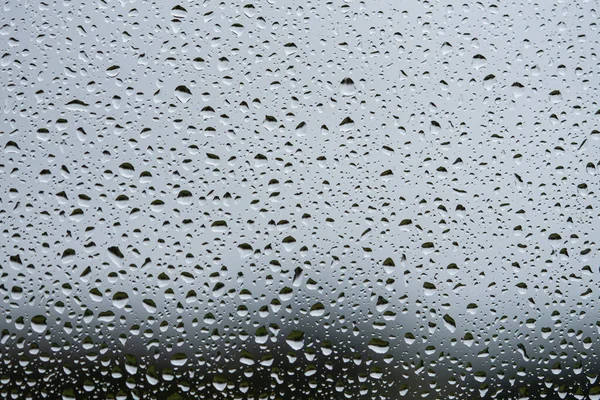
(283, 199)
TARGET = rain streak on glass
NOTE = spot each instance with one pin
(299, 200)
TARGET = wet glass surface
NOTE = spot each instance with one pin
(307, 200)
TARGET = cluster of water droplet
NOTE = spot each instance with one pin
(328, 200)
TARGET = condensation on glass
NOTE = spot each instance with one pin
(282, 199)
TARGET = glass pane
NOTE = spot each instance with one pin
(309, 200)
